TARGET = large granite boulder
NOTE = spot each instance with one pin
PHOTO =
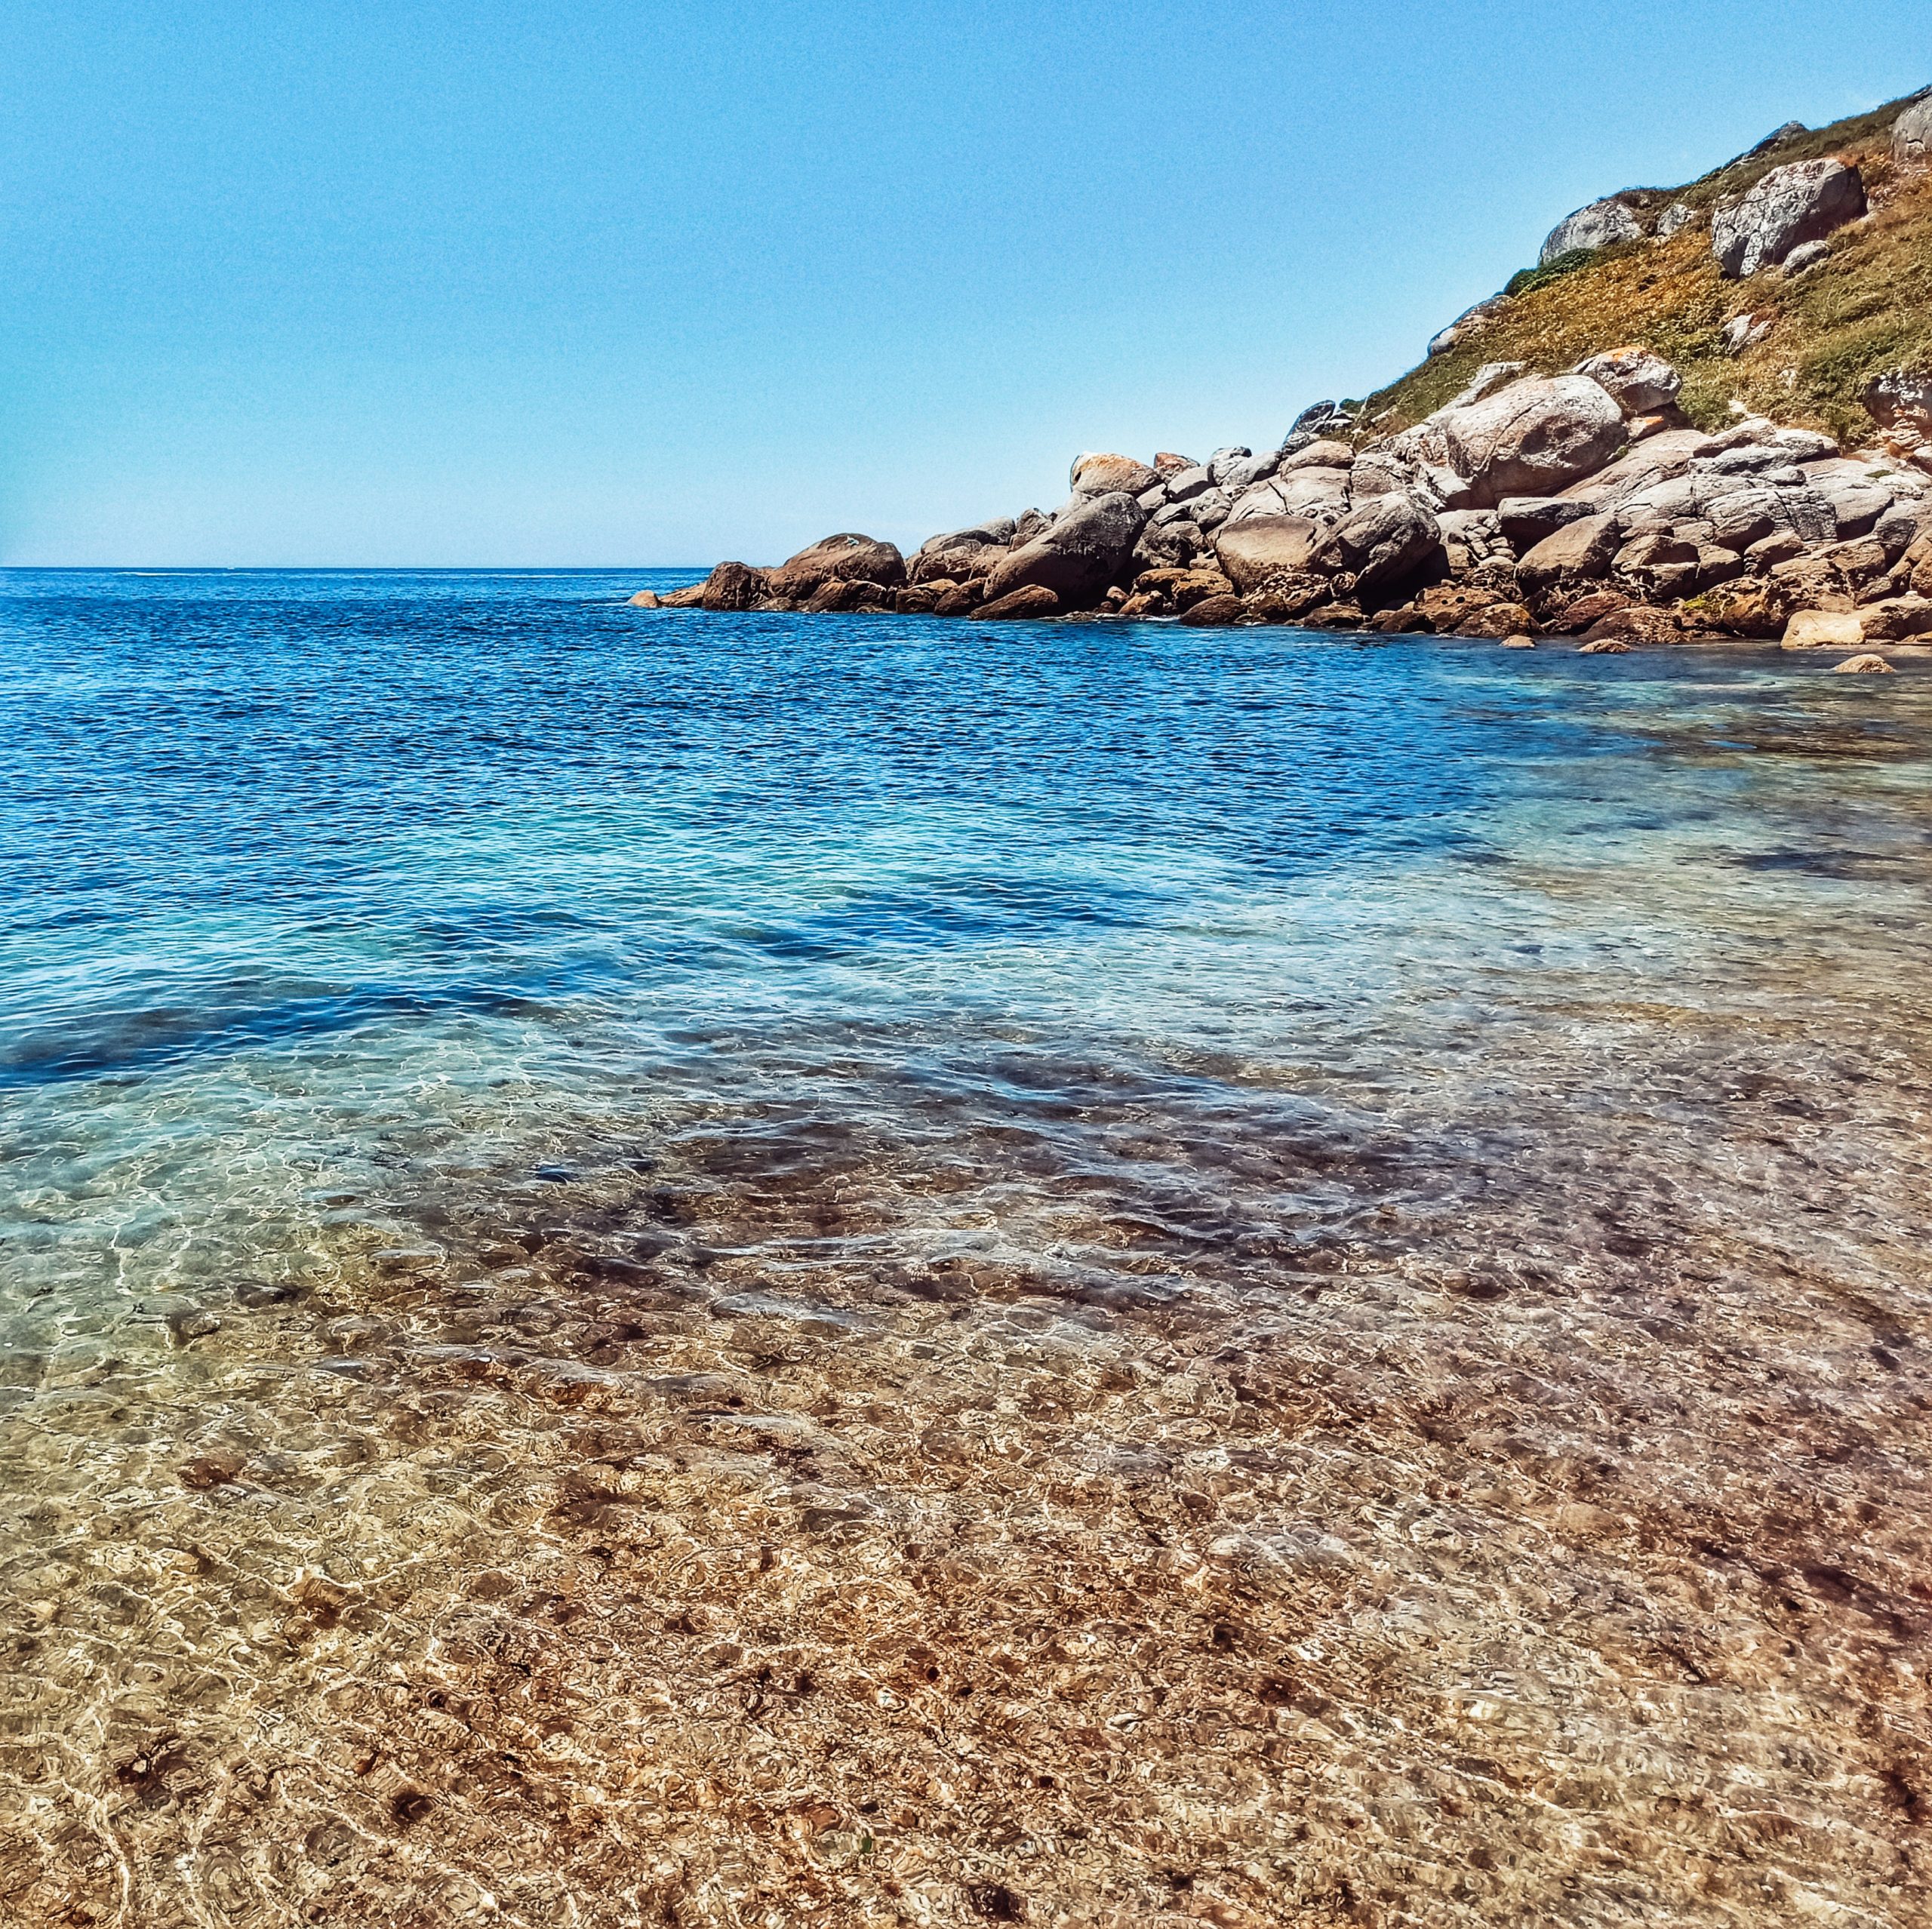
(960, 553)
(734, 586)
(1911, 134)
(1803, 202)
(1381, 543)
(1602, 224)
(1534, 438)
(1639, 381)
(1580, 551)
(1104, 475)
(843, 558)
(1899, 399)
(1090, 544)
(1261, 546)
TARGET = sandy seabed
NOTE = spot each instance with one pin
(1287, 1518)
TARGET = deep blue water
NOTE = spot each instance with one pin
(245, 813)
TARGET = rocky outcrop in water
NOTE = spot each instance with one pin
(1533, 501)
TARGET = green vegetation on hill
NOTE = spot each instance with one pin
(1867, 310)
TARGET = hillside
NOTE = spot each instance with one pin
(1867, 310)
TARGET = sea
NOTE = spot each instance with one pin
(668, 1268)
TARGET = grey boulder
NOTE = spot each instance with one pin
(1639, 381)
(1527, 520)
(1602, 224)
(1381, 544)
(1678, 215)
(1911, 134)
(1533, 439)
(1803, 202)
(1089, 545)
(1490, 377)
(1897, 399)
(1580, 549)
(1252, 551)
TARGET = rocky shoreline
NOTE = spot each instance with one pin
(1584, 505)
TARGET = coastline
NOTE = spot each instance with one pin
(1705, 413)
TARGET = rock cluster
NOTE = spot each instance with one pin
(1533, 504)
(1576, 505)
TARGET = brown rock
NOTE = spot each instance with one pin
(1604, 646)
(1896, 619)
(1864, 562)
(1166, 463)
(1029, 600)
(1265, 545)
(1283, 597)
(1519, 642)
(1584, 612)
(1752, 610)
(1213, 612)
(1181, 589)
(1498, 620)
(1446, 607)
(962, 559)
(691, 597)
(1406, 620)
(734, 586)
(847, 559)
(1144, 603)
(1635, 623)
(916, 599)
(1781, 546)
(1867, 665)
(1333, 616)
(646, 599)
(961, 599)
(1105, 474)
(1581, 549)
(1809, 582)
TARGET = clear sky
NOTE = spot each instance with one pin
(570, 282)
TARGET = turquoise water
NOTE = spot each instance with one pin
(381, 947)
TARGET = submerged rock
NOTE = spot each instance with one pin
(1030, 599)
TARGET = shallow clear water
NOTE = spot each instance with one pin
(1393, 1153)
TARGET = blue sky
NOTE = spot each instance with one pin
(480, 283)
